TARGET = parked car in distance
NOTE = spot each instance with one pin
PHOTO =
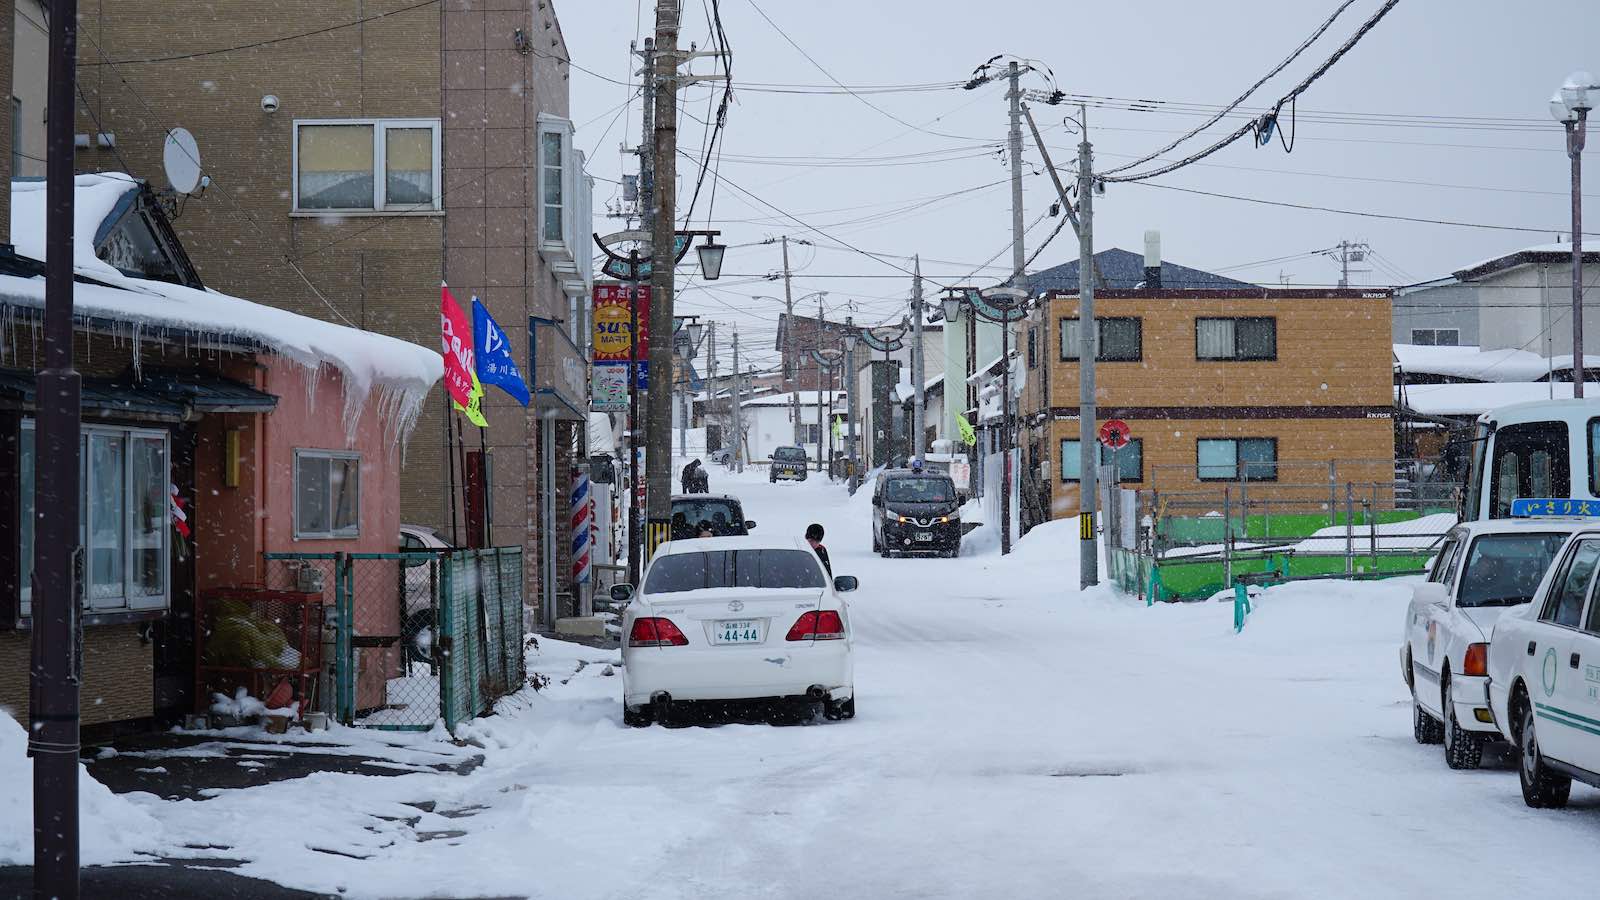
(1482, 569)
(1544, 676)
(736, 619)
(915, 511)
(421, 578)
(722, 512)
(789, 463)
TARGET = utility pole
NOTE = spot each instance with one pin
(850, 338)
(1349, 252)
(57, 558)
(1019, 280)
(663, 247)
(789, 360)
(817, 332)
(919, 422)
(1088, 552)
(635, 514)
(738, 410)
(1576, 135)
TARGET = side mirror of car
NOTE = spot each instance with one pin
(1431, 592)
(876, 500)
(749, 524)
(621, 593)
(844, 584)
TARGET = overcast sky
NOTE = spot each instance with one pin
(1438, 113)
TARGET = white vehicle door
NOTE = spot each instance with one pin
(1425, 621)
(1553, 684)
(1579, 691)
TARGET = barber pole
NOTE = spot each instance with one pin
(582, 524)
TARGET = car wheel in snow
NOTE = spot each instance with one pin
(843, 709)
(1541, 787)
(636, 718)
(1425, 728)
(1462, 749)
(419, 635)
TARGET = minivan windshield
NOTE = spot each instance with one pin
(789, 454)
(734, 568)
(1505, 569)
(920, 490)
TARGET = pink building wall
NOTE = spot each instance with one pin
(234, 526)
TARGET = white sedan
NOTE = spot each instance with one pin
(1483, 569)
(736, 619)
(1544, 676)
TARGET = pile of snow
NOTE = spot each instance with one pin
(1412, 534)
(398, 373)
(243, 707)
(111, 827)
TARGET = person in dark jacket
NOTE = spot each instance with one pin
(814, 538)
(695, 479)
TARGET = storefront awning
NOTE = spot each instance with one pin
(163, 397)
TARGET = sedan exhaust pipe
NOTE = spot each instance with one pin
(816, 693)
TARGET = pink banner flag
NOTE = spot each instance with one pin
(456, 336)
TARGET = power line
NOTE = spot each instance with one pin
(1321, 29)
(1355, 212)
(1289, 98)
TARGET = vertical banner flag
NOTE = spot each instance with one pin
(492, 353)
(459, 378)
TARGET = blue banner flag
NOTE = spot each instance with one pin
(493, 355)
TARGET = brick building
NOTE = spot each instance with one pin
(1219, 383)
(354, 169)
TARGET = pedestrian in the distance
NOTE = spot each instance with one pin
(814, 538)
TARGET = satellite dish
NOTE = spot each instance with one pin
(180, 156)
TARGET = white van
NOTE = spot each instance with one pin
(1547, 448)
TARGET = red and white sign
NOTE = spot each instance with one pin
(1114, 434)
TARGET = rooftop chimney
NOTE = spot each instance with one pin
(1152, 260)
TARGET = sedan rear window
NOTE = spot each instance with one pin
(722, 517)
(920, 490)
(734, 568)
(1505, 569)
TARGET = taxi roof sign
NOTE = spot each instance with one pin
(1530, 507)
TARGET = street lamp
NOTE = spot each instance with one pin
(1010, 299)
(1570, 106)
(711, 258)
(952, 304)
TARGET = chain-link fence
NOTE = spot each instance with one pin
(416, 636)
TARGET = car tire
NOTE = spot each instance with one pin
(419, 636)
(1542, 788)
(1424, 727)
(772, 478)
(636, 718)
(844, 709)
(1462, 749)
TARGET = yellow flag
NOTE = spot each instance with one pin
(474, 409)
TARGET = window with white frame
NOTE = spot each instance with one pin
(327, 494)
(366, 165)
(557, 176)
(123, 517)
(1436, 337)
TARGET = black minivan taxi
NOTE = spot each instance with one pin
(915, 511)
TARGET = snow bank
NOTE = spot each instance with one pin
(397, 373)
(112, 828)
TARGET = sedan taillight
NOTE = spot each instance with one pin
(655, 632)
(824, 625)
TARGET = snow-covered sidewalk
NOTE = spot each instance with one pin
(1015, 738)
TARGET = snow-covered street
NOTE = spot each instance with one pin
(1014, 738)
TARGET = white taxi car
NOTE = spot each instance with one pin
(1544, 676)
(736, 618)
(1482, 570)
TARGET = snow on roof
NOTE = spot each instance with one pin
(1471, 362)
(398, 372)
(807, 398)
(1476, 399)
(1540, 253)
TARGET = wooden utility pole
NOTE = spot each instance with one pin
(664, 257)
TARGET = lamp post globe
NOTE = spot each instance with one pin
(1575, 91)
(1559, 110)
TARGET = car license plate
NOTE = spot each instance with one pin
(924, 535)
(737, 631)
